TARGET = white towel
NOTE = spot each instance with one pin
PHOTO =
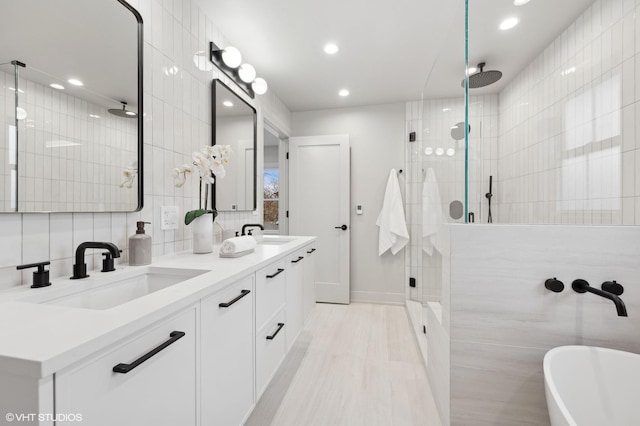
(393, 227)
(432, 217)
(238, 244)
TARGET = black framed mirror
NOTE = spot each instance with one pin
(72, 124)
(235, 124)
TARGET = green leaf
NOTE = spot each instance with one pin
(193, 214)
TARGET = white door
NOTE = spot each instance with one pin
(319, 181)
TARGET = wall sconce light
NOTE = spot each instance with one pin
(229, 61)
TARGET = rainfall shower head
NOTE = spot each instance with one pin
(122, 112)
(482, 78)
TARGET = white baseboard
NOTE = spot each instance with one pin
(377, 297)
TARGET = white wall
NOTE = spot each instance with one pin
(377, 145)
(503, 319)
(177, 121)
(568, 150)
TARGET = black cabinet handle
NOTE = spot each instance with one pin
(125, 368)
(243, 293)
(280, 270)
(311, 251)
(280, 325)
(343, 227)
(298, 260)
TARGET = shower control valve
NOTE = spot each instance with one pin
(554, 285)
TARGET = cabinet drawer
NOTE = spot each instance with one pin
(270, 350)
(158, 389)
(295, 276)
(270, 291)
(227, 355)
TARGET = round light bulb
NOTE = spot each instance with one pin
(247, 73)
(231, 57)
(343, 93)
(259, 86)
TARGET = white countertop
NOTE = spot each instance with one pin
(38, 339)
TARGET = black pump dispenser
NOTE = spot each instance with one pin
(140, 226)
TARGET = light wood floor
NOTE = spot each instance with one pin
(352, 365)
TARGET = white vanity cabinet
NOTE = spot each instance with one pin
(227, 364)
(295, 283)
(150, 379)
(309, 281)
(205, 363)
(271, 325)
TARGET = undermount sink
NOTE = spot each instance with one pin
(275, 241)
(587, 385)
(121, 289)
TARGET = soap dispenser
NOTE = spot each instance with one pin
(140, 247)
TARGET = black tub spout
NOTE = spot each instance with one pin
(582, 286)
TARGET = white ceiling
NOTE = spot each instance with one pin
(390, 51)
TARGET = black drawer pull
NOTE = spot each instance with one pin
(299, 259)
(243, 293)
(311, 251)
(125, 368)
(280, 325)
(280, 270)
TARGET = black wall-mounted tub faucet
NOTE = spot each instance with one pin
(582, 286)
(80, 268)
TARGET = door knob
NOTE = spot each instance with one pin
(343, 227)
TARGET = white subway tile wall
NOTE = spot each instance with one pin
(177, 121)
(567, 142)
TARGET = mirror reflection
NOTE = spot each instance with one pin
(235, 125)
(71, 138)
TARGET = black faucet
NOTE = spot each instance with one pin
(80, 268)
(582, 286)
(248, 225)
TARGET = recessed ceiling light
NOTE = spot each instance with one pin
(446, 109)
(331, 48)
(520, 2)
(439, 151)
(75, 82)
(343, 92)
(57, 86)
(428, 151)
(451, 152)
(509, 23)
(94, 116)
(228, 104)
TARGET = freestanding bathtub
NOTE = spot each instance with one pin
(587, 386)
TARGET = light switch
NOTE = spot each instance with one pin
(169, 217)
(359, 209)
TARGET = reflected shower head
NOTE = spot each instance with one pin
(124, 113)
(482, 78)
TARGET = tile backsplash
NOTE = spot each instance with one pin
(177, 121)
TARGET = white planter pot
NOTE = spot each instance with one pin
(203, 234)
